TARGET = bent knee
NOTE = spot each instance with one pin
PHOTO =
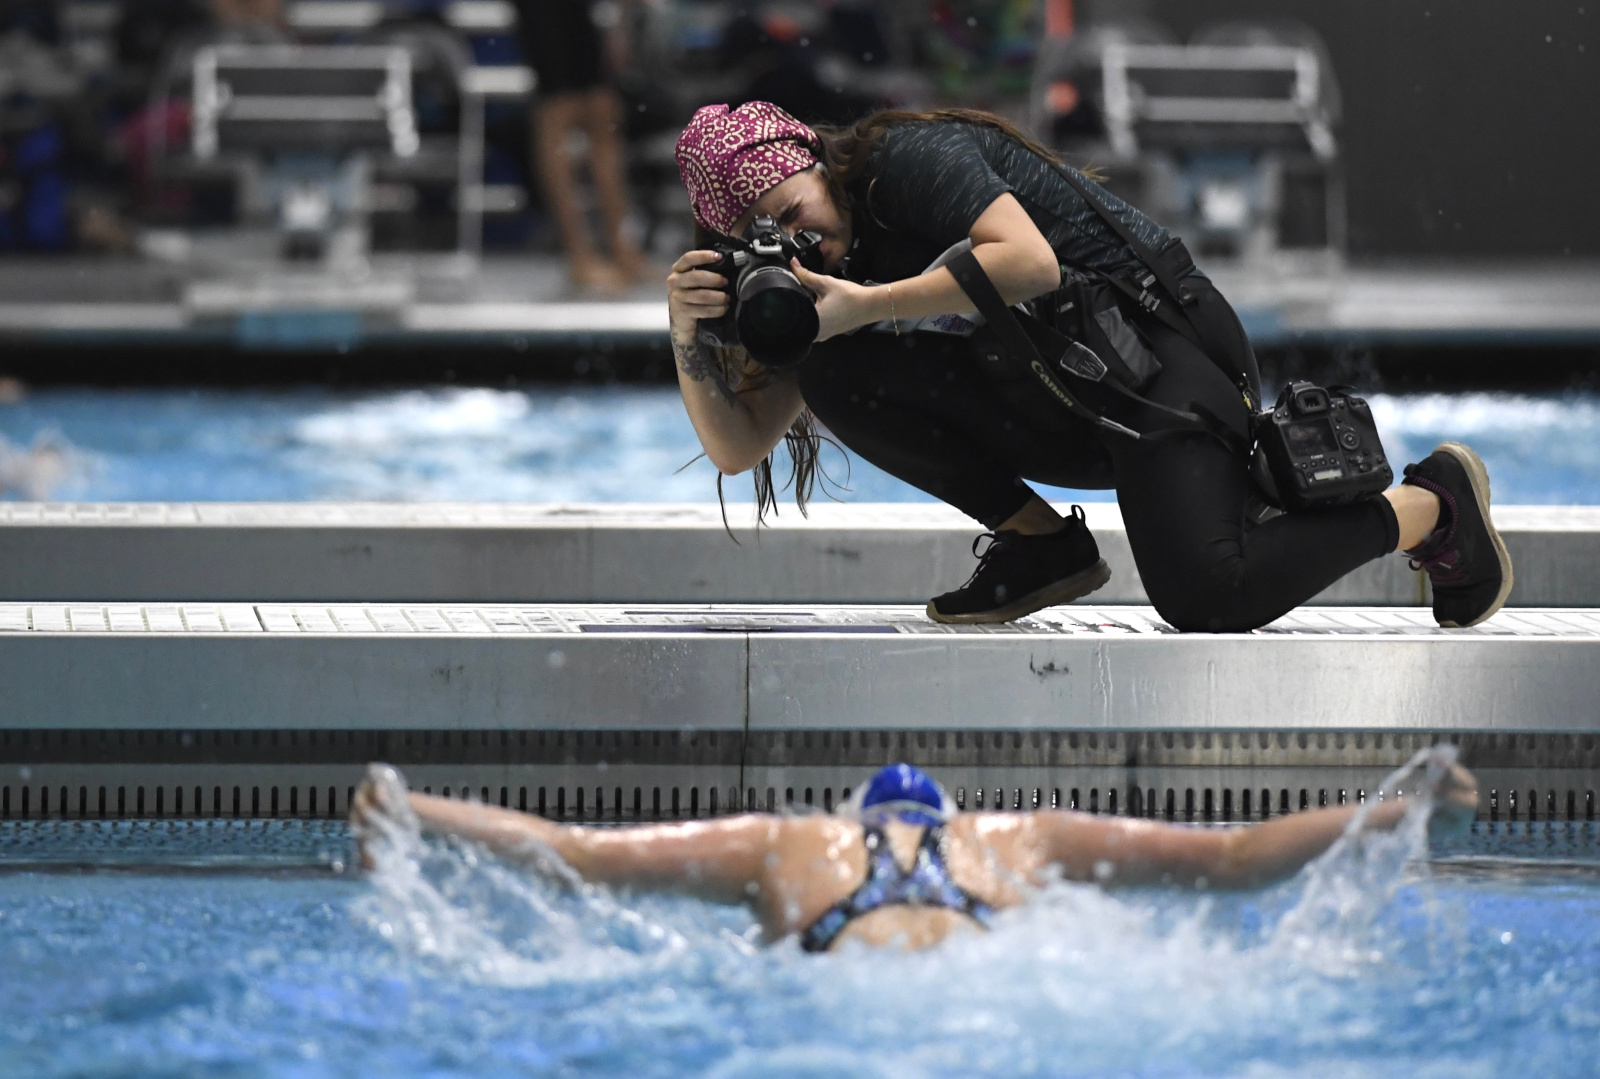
(1214, 602)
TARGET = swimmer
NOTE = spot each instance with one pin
(897, 865)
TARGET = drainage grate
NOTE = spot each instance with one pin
(673, 774)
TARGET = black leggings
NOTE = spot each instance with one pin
(919, 408)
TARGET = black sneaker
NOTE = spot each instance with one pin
(1019, 574)
(1464, 557)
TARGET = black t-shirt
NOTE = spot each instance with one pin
(928, 181)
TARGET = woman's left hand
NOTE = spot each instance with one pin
(841, 305)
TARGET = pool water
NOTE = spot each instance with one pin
(588, 443)
(449, 963)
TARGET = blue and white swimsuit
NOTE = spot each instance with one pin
(926, 884)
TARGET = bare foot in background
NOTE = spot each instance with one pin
(598, 277)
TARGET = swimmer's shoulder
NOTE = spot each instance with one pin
(990, 825)
(1016, 837)
(798, 826)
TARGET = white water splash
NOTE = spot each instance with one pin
(1103, 959)
(35, 472)
(454, 904)
(1347, 887)
(1327, 973)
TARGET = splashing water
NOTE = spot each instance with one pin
(490, 970)
(1349, 885)
(1080, 981)
(461, 909)
(455, 902)
(35, 471)
(604, 444)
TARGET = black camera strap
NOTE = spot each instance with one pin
(1158, 271)
(1081, 361)
(970, 275)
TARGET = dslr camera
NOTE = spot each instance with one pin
(770, 313)
(1319, 447)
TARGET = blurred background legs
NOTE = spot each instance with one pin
(202, 193)
(590, 119)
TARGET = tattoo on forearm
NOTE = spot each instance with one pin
(696, 362)
(693, 361)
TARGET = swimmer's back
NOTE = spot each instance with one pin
(818, 861)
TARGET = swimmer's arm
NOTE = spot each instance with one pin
(718, 860)
(1133, 852)
(1121, 851)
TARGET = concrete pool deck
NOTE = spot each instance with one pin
(618, 553)
(143, 710)
(608, 667)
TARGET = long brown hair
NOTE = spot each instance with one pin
(741, 374)
(846, 152)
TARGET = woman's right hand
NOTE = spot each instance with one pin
(694, 293)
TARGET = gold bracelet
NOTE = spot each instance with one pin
(895, 322)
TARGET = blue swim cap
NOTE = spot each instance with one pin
(903, 791)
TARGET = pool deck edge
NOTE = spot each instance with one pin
(618, 553)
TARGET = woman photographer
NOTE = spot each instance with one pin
(892, 194)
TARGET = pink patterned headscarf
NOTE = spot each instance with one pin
(729, 159)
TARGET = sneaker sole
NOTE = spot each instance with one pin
(1057, 592)
(1479, 477)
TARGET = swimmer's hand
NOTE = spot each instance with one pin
(362, 809)
(380, 804)
(1455, 802)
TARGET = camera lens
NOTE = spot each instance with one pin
(777, 317)
(773, 314)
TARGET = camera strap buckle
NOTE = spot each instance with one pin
(1081, 360)
(1147, 295)
(1077, 359)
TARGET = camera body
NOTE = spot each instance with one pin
(1320, 448)
(770, 313)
